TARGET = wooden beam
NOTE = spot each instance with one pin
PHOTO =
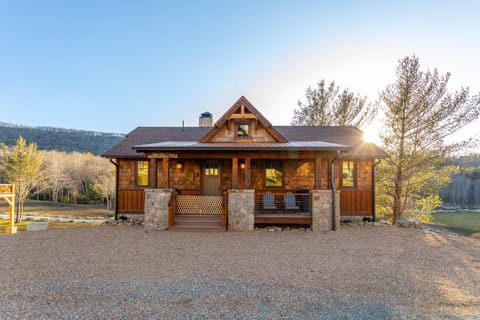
(318, 172)
(248, 174)
(166, 173)
(234, 172)
(282, 219)
(242, 116)
(152, 181)
(160, 155)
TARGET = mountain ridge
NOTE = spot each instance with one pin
(61, 139)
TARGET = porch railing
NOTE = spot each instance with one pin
(199, 205)
(282, 202)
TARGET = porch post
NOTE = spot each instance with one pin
(235, 173)
(153, 176)
(166, 174)
(318, 172)
(248, 176)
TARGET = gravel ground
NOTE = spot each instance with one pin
(123, 272)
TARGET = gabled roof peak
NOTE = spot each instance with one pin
(243, 109)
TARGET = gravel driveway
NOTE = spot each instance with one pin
(123, 272)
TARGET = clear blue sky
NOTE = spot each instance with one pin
(115, 65)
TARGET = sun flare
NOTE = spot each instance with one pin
(371, 134)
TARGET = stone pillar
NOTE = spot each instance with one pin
(322, 209)
(241, 206)
(156, 209)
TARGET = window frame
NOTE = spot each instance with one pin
(282, 170)
(137, 171)
(354, 175)
(238, 124)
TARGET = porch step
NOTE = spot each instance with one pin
(192, 223)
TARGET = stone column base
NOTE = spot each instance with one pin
(322, 210)
(241, 206)
(156, 209)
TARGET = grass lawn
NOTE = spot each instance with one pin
(49, 208)
(52, 209)
(51, 225)
(462, 222)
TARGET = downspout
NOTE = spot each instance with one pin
(116, 187)
(374, 189)
(332, 184)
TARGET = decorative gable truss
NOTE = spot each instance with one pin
(243, 123)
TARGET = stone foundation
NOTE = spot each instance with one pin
(241, 206)
(156, 209)
(322, 210)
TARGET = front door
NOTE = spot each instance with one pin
(210, 178)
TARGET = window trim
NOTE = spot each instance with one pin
(354, 174)
(237, 124)
(137, 172)
(282, 165)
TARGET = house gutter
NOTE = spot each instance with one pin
(374, 191)
(332, 184)
(116, 187)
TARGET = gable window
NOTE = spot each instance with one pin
(242, 130)
(348, 173)
(142, 173)
(273, 173)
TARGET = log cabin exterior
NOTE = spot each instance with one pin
(243, 171)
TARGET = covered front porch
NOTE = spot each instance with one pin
(236, 192)
(200, 180)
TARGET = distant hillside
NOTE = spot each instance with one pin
(464, 191)
(49, 138)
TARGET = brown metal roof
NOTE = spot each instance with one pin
(299, 138)
(144, 135)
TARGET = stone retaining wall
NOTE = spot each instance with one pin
(322, 210)
(156, 208)
(241, 206)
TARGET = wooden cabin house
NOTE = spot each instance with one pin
(241, 171)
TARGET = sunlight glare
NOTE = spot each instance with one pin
(371, 135)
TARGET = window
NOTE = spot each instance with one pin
(242, 130)
(142, 173)
(348, 171)
(273, 173)
(212, 170)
